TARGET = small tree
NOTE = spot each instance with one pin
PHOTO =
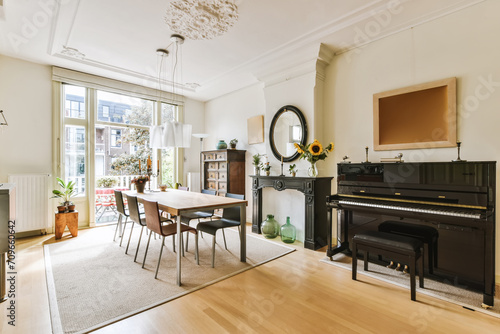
(128, 163)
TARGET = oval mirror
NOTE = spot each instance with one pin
(287, 127)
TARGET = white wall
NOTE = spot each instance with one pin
(26, 99)
(226, 118)
(194, 114)
(461, 45)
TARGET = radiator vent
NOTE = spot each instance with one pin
(32, 201)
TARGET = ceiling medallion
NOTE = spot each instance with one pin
(201, 19)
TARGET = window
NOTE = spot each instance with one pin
(116, 138)
(119, 130)
(74, 136)
(105, 111)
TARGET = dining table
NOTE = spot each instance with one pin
(179, 202)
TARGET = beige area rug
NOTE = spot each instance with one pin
(447, 291)
(92, 283)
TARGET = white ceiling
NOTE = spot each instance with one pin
(119, 37)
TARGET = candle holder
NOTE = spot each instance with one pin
(458, 149)
(150, 174)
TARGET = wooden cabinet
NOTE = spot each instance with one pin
(224, 171)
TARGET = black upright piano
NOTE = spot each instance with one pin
(455, 198)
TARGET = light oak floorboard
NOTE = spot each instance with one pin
(295, 294)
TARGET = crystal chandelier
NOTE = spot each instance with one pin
(201, 19)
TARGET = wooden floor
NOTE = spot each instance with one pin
(293, 294)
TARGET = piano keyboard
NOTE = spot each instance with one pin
(441, 211)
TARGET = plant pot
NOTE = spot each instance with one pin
(293, 174)
(71, 208)
(268, 172)
(232, 146)
(61, 208)
(140, 187)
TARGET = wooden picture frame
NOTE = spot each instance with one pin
(255, 127)
(414, 117)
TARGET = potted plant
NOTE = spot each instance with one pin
(233, 143)
(140, 182)
(267, 168)
(65, 195)
(257, 165)
(292, 169)
(106, 182)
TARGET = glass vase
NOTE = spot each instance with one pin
(288, 232)
(312, 171)
(270, 227)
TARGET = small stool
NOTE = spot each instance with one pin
(427, 234)
(398, 247)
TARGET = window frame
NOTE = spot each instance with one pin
(92, 84)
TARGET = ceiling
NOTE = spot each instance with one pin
(119, 38)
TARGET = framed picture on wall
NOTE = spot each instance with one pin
(419, 116)
(255, 129)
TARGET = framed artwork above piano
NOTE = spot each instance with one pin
(418, 116)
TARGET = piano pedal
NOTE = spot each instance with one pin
(391, 265)
(485, 306)
(405, 270)
(398, 268)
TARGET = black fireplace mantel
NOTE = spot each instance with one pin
(315, 190)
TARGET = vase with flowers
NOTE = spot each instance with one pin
(313, 152)
(140, 183)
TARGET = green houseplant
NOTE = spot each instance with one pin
(233, 143)
(257, 165)
(292, 169)
(65, 195)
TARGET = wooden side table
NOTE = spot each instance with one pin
(69, 219)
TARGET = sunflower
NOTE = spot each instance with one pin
(330, 147)
(315, 148)
(297, 147)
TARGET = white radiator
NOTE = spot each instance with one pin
(32, 201)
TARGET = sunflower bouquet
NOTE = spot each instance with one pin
(313, 152)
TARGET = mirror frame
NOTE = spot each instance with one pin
(303, 126)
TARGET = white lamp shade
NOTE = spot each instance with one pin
(171, 134)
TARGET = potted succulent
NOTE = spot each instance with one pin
(292, 169)
(257, 165)
(65, 195)
(233, 143)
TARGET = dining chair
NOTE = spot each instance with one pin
(122, 212)
(230, 218)
(153, 223)
(135, 217)
(202, 214)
